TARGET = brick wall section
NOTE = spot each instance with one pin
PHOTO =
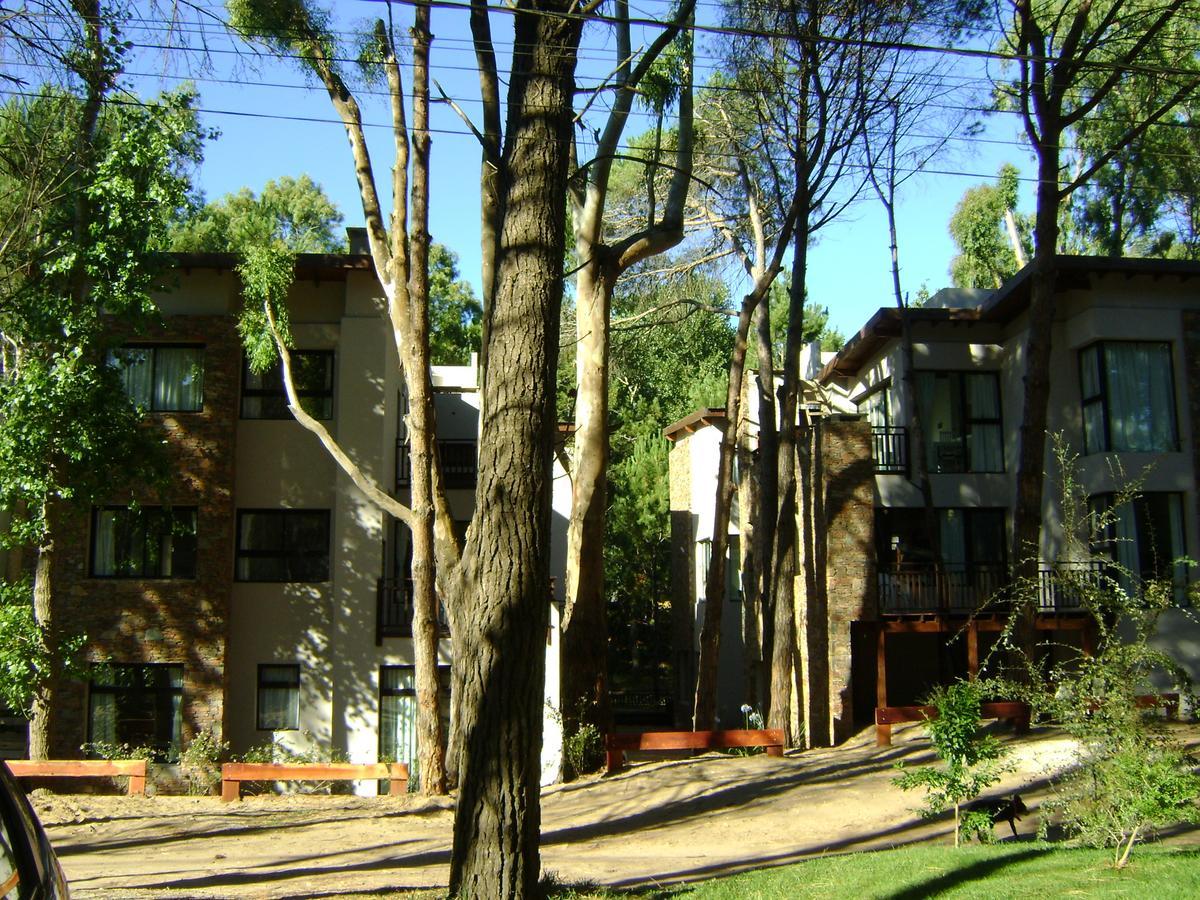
(850, 558)
(166, 621)
(1191, 350)
(682, 574)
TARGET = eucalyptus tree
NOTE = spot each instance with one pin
(605, 253)
(1071, 58)
(783, 134)
(496, 582)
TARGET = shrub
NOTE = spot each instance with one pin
(200, 762)
(970, 759)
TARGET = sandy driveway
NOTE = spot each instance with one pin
(657, 821)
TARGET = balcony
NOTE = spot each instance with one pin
(889, 450)
(394, 610)
(965, 589)
(458, 460)
(951, 589)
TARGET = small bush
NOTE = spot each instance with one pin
(108, 750)
(200, 762)
(584, 750)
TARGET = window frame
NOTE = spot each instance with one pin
(280, 394)
(170, 691)
(288, 558)
(292, 687)
(153, 348)
(445, 685)
(166, 513)
(1105, 543)
(1101, 397)
(967, 419)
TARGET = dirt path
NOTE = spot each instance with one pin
(657, 822)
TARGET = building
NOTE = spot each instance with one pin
(1125, 393)
(262, 597)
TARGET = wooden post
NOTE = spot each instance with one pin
(883, 733)
(972, 649)
(230, 790)
(137, 785)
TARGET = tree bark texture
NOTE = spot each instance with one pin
(45, 695)
(503, 579)
(767, 507)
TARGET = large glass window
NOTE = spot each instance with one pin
(283, 545)
(278, 697)
(263, 395)
(147, 542)
(138, 705)
(398, 714)
(1128, 393)
(1145, 537)
(162, 378)
(960, 418)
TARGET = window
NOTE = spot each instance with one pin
(1145, 537)
(162, 378)
(138, 705)
(398, 714)
(147, 542)
(1128, 393)
(960, 418)
(283, 545)
(278, 698)
(263, 395)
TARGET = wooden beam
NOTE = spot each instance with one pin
(883, 731)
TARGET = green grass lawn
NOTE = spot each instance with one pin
(998, 871)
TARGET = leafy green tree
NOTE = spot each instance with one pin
(86, 189)
(971, 760)
(293, 210)
(993, 239)
(455, 314)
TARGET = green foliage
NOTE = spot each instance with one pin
(267, 269)
(454, 312)
(23, 653)
(69, 432)
(669, 356)
(970, 760)
(985, 253)
(291, 28)
(107, 750)
(294, 211)
(1131, 775)
(200, 762)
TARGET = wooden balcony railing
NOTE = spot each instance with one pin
(458, 459)
(889, 450)
(394, 609)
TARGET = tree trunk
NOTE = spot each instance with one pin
(1031, 454)
(503, 580)
(585, 625)
(43, 613)
(704, 716)
(768, 492)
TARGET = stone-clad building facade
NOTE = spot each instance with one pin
(879, 624)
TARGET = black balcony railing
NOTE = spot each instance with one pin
(933, 589)
(394, 609)
(963, 589)
(458, 463)
(889, 450)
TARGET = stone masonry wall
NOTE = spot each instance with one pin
(849, 552)
(162, 620)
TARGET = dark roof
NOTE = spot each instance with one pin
(709, 415)
(1005, 303)
(324, 266)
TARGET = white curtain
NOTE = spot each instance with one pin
(1141, 403)
(136, 374)
(984, 439)
(278, 698)
(178, 380)
(954, 542)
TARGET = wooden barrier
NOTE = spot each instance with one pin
(616, 745)
(887, 716)
(133, 769)
(233, 774)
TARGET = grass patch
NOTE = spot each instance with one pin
(1024, 869)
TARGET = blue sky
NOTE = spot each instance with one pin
(275, 121)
